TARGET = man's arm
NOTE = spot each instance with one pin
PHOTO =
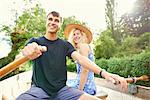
(31, 51)
(86, 63)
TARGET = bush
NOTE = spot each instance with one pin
(71, 67)
(141, 64)
(106, 48)
(103, 63)
(129, 47)
(135, 66)
(144, 41)
(114, 65)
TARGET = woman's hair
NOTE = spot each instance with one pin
(83, 38)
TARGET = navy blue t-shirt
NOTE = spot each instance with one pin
(49, 70)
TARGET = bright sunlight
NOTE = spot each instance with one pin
(125, 6)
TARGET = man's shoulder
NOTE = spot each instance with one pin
(39, 38)
(36, 38)
(66, 43)
(63, 41)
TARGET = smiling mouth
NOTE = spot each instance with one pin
(76, 38)
(51, 27)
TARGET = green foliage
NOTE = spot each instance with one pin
(144, 41)
(71, 65)
(32, 21)
(129, 47)
(134, 45)
(121, 66)
(5, 28)
(129, 43)
(141, 64)
(134, 66)
(126, 66)
(114, 65)
(105, 46)
(26, 66)
(30, 24)
(103, 63)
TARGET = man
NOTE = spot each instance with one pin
(49, 67)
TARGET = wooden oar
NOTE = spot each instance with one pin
(12, 66)
(15, 64)
(135, 79)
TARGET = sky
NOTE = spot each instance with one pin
(90, 11)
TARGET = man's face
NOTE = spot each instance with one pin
(52, 23)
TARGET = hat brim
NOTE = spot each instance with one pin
(70, 27)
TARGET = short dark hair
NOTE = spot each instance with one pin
(54, 13)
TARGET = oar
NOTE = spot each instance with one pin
(12, 66)
(15, 64)
(135, 79)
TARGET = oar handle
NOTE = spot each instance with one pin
(12, 66)
(131, 80)
(15, 64)
(135, 79)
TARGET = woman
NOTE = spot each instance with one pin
(80, 37)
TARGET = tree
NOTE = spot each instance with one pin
(138, 21)
(111, 20)
(30, 23)
(144, 42)
(110, 15)
(129, 47)
(105, 46)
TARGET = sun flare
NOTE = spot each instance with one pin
(125, 6)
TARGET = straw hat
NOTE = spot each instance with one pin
(70, 27)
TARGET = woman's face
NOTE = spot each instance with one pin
(77, 35)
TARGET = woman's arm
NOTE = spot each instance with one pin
(84, 50)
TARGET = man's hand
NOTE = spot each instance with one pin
(33, 50)
(116, 79)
